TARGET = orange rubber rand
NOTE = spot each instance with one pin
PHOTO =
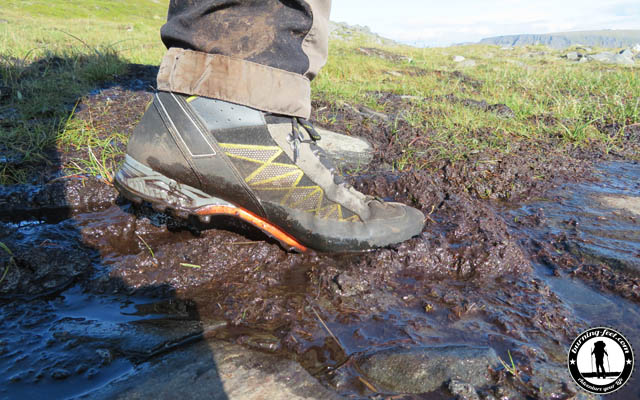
(256, 221)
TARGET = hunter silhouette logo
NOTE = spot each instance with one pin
(600, 360)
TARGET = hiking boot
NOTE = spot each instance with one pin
(203, 157)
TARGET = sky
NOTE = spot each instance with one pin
(441, 23)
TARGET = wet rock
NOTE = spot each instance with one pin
(217, 370)
(425, 369)
(627, 203)
(462, 390)
(554, 382)
(345, 151)
(350, 286)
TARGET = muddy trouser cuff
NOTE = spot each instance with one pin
(235, 80)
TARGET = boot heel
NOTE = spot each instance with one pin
(138, 183)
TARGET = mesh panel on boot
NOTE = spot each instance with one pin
(280, 181)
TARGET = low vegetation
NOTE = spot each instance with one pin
(54, 57)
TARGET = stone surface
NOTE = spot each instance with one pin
(636, 48)
(554, 382)
(345, 151)
(573, 56)
(462, 390)
(627, 203)
(216, 370)
(458, 59)
(610, 58)
(626, 53)
(426, 369)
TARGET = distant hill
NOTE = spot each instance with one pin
(604, 38)
(344, 31)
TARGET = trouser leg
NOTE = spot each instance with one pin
(258, 53)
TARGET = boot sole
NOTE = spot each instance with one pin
(139, 183)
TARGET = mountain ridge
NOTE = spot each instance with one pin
(601, 38)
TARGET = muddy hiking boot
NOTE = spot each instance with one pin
(204, 157)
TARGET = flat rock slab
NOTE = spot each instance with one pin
(627, 203)
(216, 370)
(426, 369)
(611, 58)
(345, 151)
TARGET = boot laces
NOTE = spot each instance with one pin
(297, 137)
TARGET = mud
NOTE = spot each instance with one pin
(97, 288)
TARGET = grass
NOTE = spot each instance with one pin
(147, 246)
(11, 260)
(532, 81)
(45, 72)
(187, 265)
(512, 369)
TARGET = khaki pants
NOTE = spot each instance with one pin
(258, 53)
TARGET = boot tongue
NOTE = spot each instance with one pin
(304, 132)
(311, 159)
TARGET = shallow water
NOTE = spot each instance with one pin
(78, 338)
(598, 233)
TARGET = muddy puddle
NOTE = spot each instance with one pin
(98, 292)
(584, 243)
